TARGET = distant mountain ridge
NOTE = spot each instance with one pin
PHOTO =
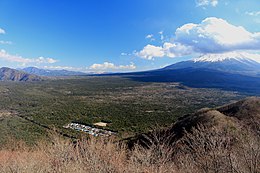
(8, 74)
(231, 71)
(51, 73)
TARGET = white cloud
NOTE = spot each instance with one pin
(125, 54)
(12, 58)
(253, 13)
(151, 51)
(42, 60)
(214, 35)
(110, 66)
(173, 50)
(161, 35)
(5, 42)
(16, 58)
(168, 49)
(214, 3)
(203, 3)
(63, 68)
(2, 31)
(149, 36)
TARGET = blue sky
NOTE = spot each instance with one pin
(123, 35)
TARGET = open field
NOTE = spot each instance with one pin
(129, 107)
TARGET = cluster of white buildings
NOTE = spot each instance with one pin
(88, 129)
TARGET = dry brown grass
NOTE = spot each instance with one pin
(201, 150)
(94, 155)
(214, 150)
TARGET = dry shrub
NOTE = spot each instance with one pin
(203, 149)
(218, 151)
(246, 157)
(92, 156)
(22, 161)
(156, 156)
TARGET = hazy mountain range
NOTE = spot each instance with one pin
(33, 74)
(229, 71)
(8, 74)
(44, 72)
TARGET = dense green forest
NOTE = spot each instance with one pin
(28, 109)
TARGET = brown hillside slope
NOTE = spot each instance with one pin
(247, 112)
(225, 139)
(242, 115)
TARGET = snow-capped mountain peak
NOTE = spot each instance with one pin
(232, 62)
(238, 56)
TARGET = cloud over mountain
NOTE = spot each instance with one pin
(168, 49)
(212, 35)
(215, 35)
